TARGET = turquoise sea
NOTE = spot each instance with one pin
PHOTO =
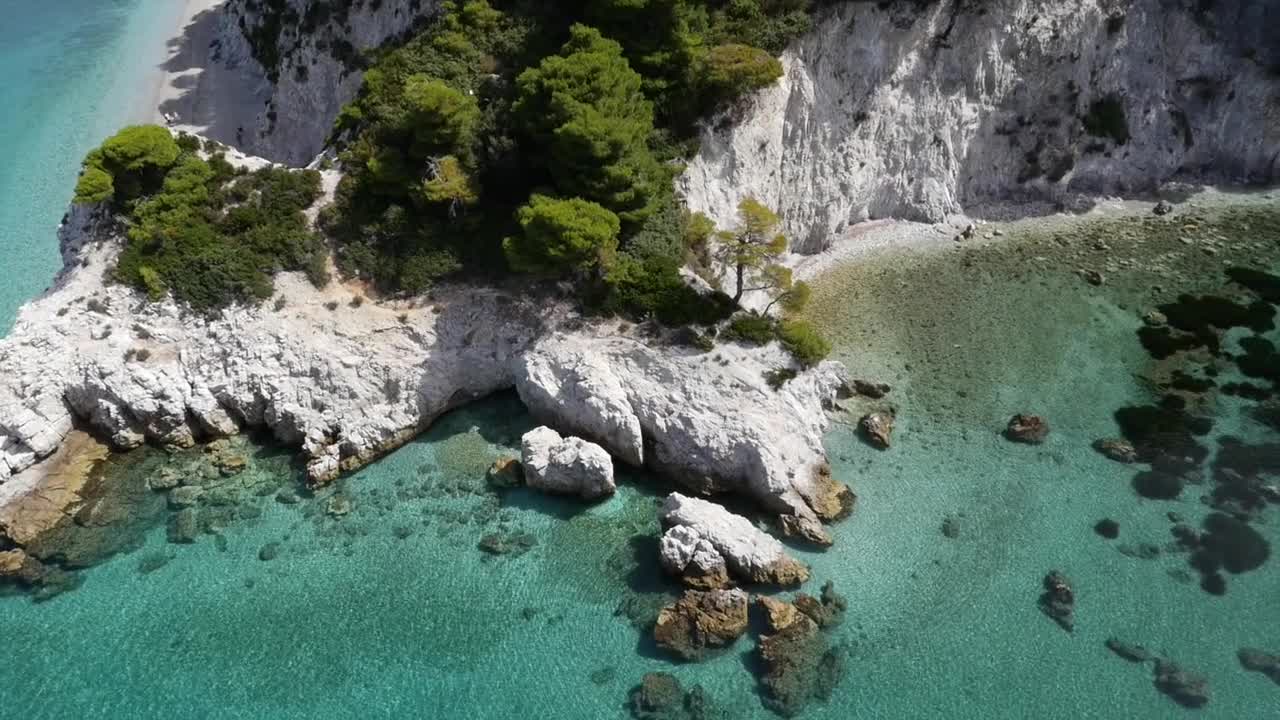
(286, 609)
(69, 77)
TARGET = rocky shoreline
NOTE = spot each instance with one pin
(346, 380)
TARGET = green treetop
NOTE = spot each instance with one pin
(585, 111)
(559, 236)
(134, 160)
(751, 250)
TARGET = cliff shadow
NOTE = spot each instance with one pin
(203, 91)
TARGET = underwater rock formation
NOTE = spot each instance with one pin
(1058, 600)
(702, 622)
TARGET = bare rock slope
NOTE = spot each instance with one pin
(916, 109)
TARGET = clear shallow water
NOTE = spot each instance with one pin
(71, 73)
(351, 619)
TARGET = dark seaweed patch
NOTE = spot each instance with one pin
(1266, 285)
(1205, 316)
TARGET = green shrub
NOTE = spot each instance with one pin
(137, 159)
(804, 342)
(751, 328)
(733, 69)
(95, 185)
(562, 236)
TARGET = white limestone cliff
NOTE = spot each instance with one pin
(916, 109)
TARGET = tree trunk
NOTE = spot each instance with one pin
(742, 270)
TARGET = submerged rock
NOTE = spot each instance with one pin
(702, 622)
(750, 554)
(872, 390)
(1030, 429)
(659, 696)
(505, 473)
(184, 526)
(1108, 528)
(827, 610)
(1164, 207)
(1260, 661)
(1185, 687)
(877, 428)
(798, 665)
(185, 496)
(509, 544)
(1129, 651)
(269, 552)
(951, 527)
(1058, 600)
(1233, 545)
(566, 465)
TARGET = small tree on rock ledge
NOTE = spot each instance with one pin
(751, 251)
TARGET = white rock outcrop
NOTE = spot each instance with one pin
(685, 553)
(916, 110)
(346, 384)
(750, 553)
(565, 465)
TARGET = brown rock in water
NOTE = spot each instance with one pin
(1117, 449)
(1185, 687)
(1029, 429)
(658, 695)
(1058, 600)
(877, 428)
(51, 490)
(831, 500)
(798, 666)
(505, 473)
(700, 623)
(778, 613)
(11, 562)
(827, 611)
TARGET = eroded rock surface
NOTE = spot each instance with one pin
(565, 465)
(702, 622)
(750, 554)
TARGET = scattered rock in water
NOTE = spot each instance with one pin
(1029, 429)
(1141, 551)
(269, 552)
(1260, 661)
(184, 526)
(507, 544)
(951, 527)
(566, 465)
(872, 390)
(1185, 687)
(659, 696)
(339, 506)
(1129, 651)
(603, 676)
(1117, 449)
(1093, 277)
(152, 562)
(1058, 600)
(684, 553)
(1107, 528)
(877, 428)
(798, 664)
(1214, 584)
(223, 457)
(288, 496)
(165, 479)
(505, 473)
(827, 610)
(402, 532)
(185, 496)
(702, 622)
(1164, 207)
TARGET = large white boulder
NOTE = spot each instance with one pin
(750, 554)
(566, 465)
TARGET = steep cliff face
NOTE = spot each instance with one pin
(300, 60)
(920, 108)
